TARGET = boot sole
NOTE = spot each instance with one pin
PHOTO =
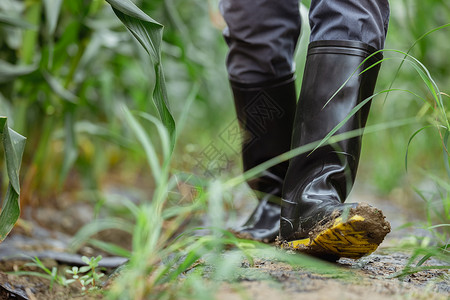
(248, 236)
(359, 235)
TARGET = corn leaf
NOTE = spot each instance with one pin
(149, 34)
(15, 21)
(9, 72)
(70, 146)
(52, 10)
(13, 145)
(59, 89)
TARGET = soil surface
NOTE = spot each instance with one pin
(372, 273)
(49, 237)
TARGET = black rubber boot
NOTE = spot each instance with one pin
(317, 183)
(266, 113)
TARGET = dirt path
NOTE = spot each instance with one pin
(265, 279)
(369, 281)
(372, 273)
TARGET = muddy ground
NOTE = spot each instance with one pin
(49, 235)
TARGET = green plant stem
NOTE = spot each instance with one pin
(32, 16)
(75, 62)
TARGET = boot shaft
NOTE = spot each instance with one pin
(266, 113)
(338, 76)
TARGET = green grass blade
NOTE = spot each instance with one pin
(88, 230)
(252, 173)
(353, 112)
(423, 259)
(445, 151)
(110, 248)
(184, 114)
(31, 273)
(146, 143)
(100, 131)
(163, 134)
(410, 140)
(439, 225)
(397, 72)
(429, 82)
(412, 270)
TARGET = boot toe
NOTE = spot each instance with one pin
(355, 236)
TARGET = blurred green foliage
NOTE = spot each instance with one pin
(69, 68)
(66, 67)
(383, 161)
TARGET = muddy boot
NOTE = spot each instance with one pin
(266, 113)
(318, 182)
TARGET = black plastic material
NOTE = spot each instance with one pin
(266, 114)
(317, 183)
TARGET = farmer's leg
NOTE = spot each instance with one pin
(355, 20)
(345, 34)
(262, 36)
